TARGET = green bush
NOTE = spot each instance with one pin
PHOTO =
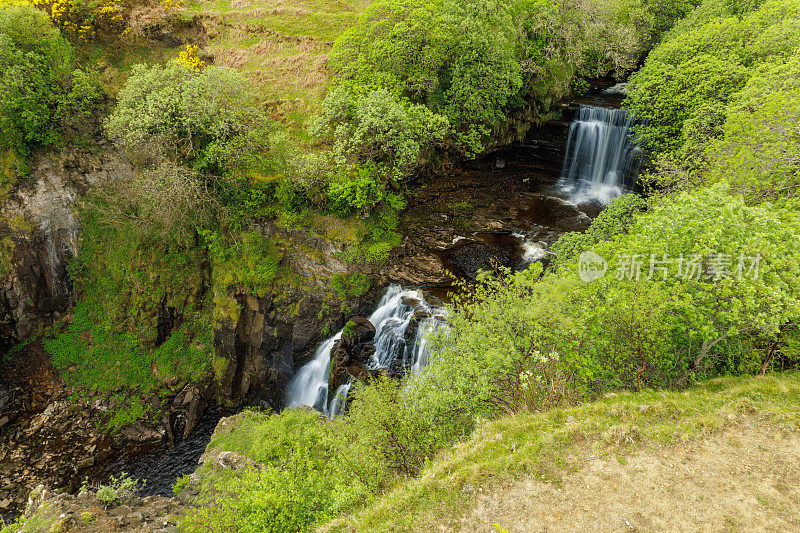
(119, 488)
(666, 95)
(614, 220)
(350, 285)
(298, 483)
(628, 330)
(682, 92)
(207, 117)
(41, 91)
(759, 151)
(379, 130)
(361, 190)
(456, 58)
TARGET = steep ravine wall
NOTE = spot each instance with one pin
(266, 344)
(38, 288)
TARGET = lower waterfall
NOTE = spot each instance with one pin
(392, 317)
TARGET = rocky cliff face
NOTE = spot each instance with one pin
(42, 213)
(268, 343)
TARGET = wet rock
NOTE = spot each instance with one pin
(470, 257)
(139, 434)
(85, 463)
(620, 89)
(357, 335)
(268, 342)
(352, 353)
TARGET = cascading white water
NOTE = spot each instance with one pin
(532, 250)
(310, 385)
(600, 157)
(339, 399)
(391, 318)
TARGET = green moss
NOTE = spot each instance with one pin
(91, 355)
(350, 285)
(7, 248)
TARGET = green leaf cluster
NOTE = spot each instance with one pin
(42, 93)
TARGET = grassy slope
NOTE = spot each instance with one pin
(548, 446)
(281, 45)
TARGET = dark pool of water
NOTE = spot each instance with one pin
(160, 466)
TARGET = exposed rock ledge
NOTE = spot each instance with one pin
(38, 289)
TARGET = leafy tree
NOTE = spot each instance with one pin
(377, 129)
(41, 91)
(759, 154)
(666, 95)
(208, 117)
(682, 91)
(745, 291)
(456, 58)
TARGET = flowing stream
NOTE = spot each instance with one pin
(600, 157)
(392, 318)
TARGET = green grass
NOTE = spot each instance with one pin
(543, 444)
(280, 46)
(91, 356)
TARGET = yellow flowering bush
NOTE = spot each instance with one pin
(188, 57)
(85, 19)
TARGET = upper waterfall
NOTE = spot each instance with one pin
(600, 157)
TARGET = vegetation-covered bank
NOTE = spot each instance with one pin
(697, 281)
(512, 473)
(251, 194)
(554, 451)
(246, 230)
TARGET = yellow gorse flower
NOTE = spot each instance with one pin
(188, 56)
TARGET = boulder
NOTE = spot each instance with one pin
(352, 353)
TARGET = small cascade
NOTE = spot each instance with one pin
(310, 385)
(600, 158)
(532, 250)
(339, 399)
(397, 311)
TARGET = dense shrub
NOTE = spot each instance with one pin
(41, 91)
(759, 152)
(298, 484)
(615, 219)
(629, 330)
(682, 92)
(208, 117)
(456, 58)
(666, 96)
(377, 129)
(86, 20)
